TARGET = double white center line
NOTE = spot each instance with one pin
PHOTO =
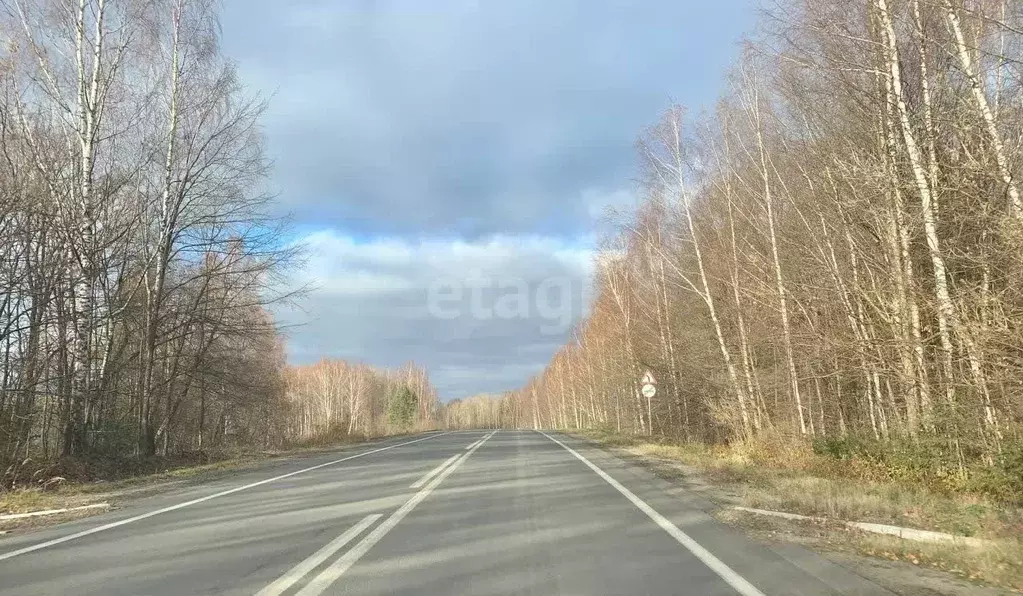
(480, 442)
(299, 571)
(331, 574)
(223, 493)
(419, 483)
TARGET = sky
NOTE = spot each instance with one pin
(451, 165)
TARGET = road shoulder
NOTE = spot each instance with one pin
(179, 483)
(825, 552)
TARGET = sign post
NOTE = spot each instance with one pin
(649, 385)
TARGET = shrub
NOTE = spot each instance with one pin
(401, 408)
(929, 462)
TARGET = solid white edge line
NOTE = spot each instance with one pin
(110, 526)
(426, 478)
(313, 561)
(338, 568)
(741, 585)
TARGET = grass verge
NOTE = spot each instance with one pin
(789, 476)
(82, 481)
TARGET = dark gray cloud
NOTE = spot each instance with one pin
(471, 118)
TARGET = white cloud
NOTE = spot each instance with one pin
(371, 302)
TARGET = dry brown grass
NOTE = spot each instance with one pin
(771, 474)
(999, 562)
(892, 503)
(23, 501)
(71, 493)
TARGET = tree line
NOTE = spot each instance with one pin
(140, 251)
(335, 399)
(833, 252)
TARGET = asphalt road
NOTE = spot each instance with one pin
(513, 512)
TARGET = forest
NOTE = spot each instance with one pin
(141, 254)
(832, 254)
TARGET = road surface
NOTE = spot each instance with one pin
(473, 512)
